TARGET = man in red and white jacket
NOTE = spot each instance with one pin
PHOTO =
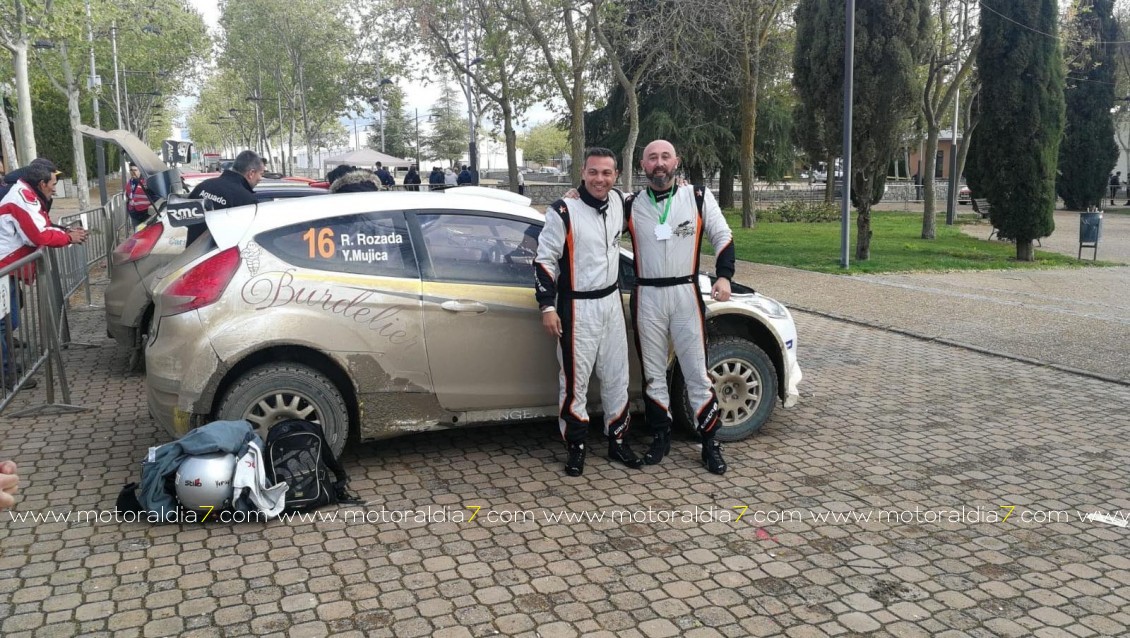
(24, 227)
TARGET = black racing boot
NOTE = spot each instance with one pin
(712, 456)
(618, 450)
(660, 446)
(575, 464)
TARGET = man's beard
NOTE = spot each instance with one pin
(659, 179)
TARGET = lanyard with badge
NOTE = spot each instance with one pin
(663, 230)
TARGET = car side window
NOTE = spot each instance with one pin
(369, 244)
(477, 248)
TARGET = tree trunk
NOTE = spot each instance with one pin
(511, 147)
(25, 128)
(968, 126)
(7, 144)
(726, 185)
(577, 127)
(695, 174)
(1024, 251)
(930, 161)
(629, 153)
(830, 181)
(751, 67)
(862, 219)
(75, 113)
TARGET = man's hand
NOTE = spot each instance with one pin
(721, 289)
(572, 193)
(552, 323)
(9, 484)
(77, 235)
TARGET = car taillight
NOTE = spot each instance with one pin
(202, 284)
(139, 245)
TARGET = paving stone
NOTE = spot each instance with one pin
(877, 429)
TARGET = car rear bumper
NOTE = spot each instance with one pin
(179, 363)
(122, 318)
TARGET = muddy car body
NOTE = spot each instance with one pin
(379, 314)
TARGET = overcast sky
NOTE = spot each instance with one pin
(417, 95)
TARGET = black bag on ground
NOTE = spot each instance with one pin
(298, 453)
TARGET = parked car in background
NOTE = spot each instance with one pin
(964, 195)
(138, 260)
(381, 314)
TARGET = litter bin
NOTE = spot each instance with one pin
(1090, 231)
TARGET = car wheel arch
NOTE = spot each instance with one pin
(756, 332)
(280, 354)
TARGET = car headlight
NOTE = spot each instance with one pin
(771, 307)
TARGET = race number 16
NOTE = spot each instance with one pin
(324, 245)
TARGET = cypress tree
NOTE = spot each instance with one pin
(1088, 151)
(1013, 157)
(890, 39)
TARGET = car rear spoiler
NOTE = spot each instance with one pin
(161, 180)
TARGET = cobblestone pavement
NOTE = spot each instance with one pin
(842, 535)
(1077, 318)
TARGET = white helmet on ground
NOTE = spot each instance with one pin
(206, 481)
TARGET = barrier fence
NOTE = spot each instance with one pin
(29, 338)
(35, 294)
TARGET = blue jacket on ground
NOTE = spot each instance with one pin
(220, 436)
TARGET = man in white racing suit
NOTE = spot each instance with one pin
(577, 275)
(667, 222)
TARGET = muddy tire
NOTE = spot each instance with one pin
(276, 392)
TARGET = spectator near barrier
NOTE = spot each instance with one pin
(25, 226)
(138, 201)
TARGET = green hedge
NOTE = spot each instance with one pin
(800, 211)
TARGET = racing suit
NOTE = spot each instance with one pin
(578, 269)
(667, 306)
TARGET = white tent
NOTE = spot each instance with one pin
(365, 158)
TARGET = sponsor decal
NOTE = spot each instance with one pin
(684, 229)
(185, 213)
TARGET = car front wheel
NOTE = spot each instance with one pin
(745, 382)
(272, 393)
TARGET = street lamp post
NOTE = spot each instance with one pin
(99, 149)
(472, 150)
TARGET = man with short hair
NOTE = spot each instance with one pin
(576, 284)
(412, 179)
(384, 176)
(24, 227)
(667, 222)
(465, 178)
(435, 179)
(233, 187)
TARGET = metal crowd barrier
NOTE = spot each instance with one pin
(28, 334)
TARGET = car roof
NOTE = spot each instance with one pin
(289, 188)
(229, 225)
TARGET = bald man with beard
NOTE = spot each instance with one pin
(666, 222)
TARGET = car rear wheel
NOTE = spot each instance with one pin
(745, 382)
(272, 393)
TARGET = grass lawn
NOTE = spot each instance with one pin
(896, 246)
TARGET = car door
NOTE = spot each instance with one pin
(486, 346)
(347, 285)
